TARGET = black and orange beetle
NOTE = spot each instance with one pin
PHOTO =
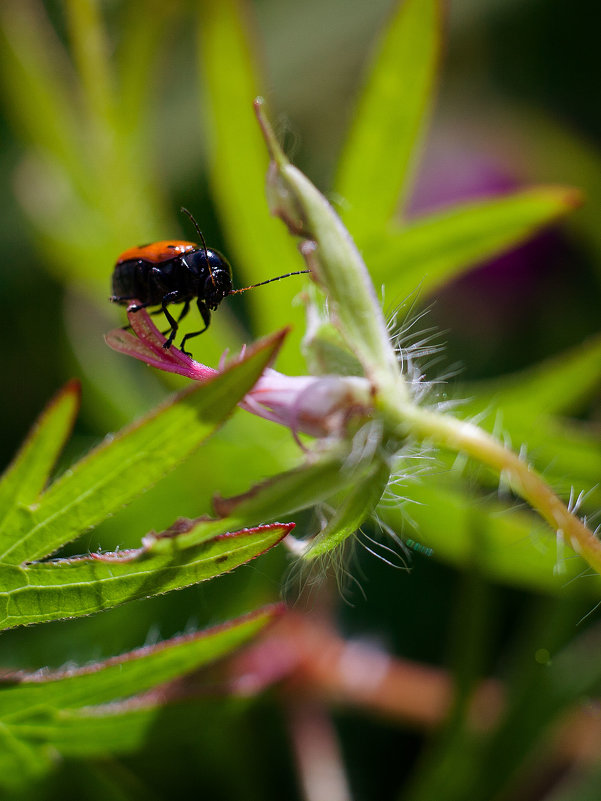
(176, 271)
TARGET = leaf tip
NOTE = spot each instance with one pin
(273, 147)
(71, 391)
(284, 528)
(565, 198)
(572, 197)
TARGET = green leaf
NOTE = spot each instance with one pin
(75, 713)
(430, 251)
(81, 145)
(376, 162)
(113, 729)
(323, 345)
(80, 733)
(142, 30)
(20, 762)
(336, 265)
(91, 51)
(124, 466)
(131, 674)
(237, 165)
(568, 155)
(560, 384)
(513, 547)
(569, 455)
(292, 491)
(35, 65)
(523, 406)
(351, 512)
(327, 354)
(83, 585)
(26, 476)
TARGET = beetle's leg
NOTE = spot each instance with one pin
(170, 297)
(155, 277)
(184, 311)
(206, 318)
(119, 298)
(154, 313)
(137, 307)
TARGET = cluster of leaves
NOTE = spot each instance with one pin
(380, 152)
(51, 713)
(43, 712)
(37, 522)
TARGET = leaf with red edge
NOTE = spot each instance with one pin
(128, 463)
(127, 675)
(25, 477)
(83, 585)
(83, 711)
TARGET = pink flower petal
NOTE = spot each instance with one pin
(315, 405)
(148, 346)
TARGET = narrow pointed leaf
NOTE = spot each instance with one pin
(237, 165)
(130, 674)
(557, 385)
(84, 733)
(569, 453)
(323, 345)
(512, 547)
(114, 729)
(290, 492)
(26, 476)
(375, 168)
(91, 53)
(20, 762)
(351, 513)
(141, 36)
(34, 65)
(122, 467)
(431, 251)
(525, 404)
(336, 265)
(84, 585)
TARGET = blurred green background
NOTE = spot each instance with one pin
(517, 105)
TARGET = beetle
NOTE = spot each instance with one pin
(176, 271)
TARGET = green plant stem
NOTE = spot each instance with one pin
(335, 264)
(465, 437)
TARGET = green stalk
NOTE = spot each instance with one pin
(336, 265)
(465, 437)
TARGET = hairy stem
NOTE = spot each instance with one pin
(468, 438)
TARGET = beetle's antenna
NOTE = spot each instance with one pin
(262, 283)
(202, 239)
